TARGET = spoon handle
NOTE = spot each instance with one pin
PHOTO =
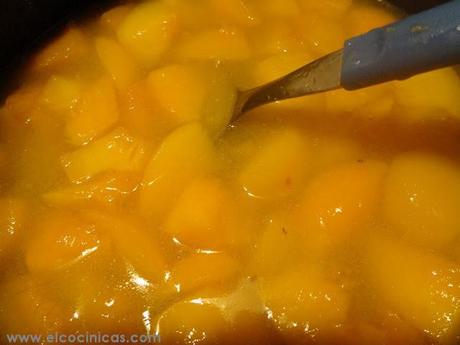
(417, 44)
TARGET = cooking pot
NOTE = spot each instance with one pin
(24, 24)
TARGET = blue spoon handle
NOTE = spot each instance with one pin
(416, 44)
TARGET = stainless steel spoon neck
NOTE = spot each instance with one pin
(320, 75)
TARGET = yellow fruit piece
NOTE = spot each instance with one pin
(111, 19)
(180, 91)
(328, 8)
(191, 16)
(97, 113)
(439, 102)
(13, 214)
(68, 48)
(203, 275)
(28, 307)
(117, 62)
(221, 44)
(132, 241)
(304, 300)
(421, 200)
(147, 31)
(322, 34)
(278, 37)
(197, 220)
(60, 239)
(279, 8)
(61, 94)
(423, 288)
(185, 154)
(363, 17)
(191, 322)
(177, 94)
(240, 12)
(140, 114)
(339, 202)
(279, 168)
(108, 189)
(117, 151)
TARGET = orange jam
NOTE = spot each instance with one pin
(130, 204)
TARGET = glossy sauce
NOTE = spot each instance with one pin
(129, 204)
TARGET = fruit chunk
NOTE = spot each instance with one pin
(203, 275)
(330, 8)
(322, 34)
(304, 300)
(13, 213)
(61, 239)
(279, 8)
(180, 91)
(116, 151)
(423, 288)
(221, 44)
(97, 113)
(235, 11)
(132, 241)
(197, 220)
(419, 104)
(278, 37)
(117, 62)
(147, 31)
(140, 114)
(192, 322)
(279, 168)
(60, 93)
(185, 154)
(69, 48)
(108, 189)
(186, 93)
(421, 199)
(340, 201)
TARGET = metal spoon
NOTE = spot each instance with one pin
(416, 44)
